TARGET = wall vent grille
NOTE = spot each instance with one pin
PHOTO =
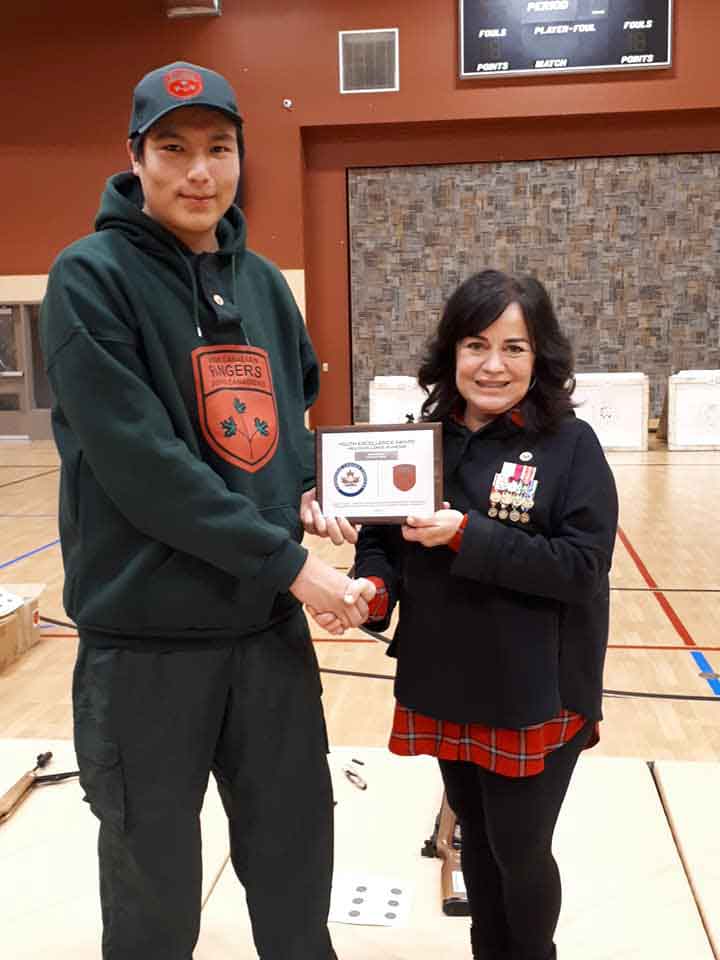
(369, 61)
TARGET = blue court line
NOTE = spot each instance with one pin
(705, 666)
(30, 553)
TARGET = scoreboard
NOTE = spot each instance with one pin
(522, 37)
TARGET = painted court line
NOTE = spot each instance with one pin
(30, 553)
(705, 667)
(657, 646)
(669, 612)
(34, 476)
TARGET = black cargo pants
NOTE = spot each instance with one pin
(149, 728)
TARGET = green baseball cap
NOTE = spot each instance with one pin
(177, 85)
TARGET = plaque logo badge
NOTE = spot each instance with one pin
(350, 479)
(404, 476)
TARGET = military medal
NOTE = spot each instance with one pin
(500, 497)
(505, 495)
(513, 491)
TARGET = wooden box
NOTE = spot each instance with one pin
(9, 631)
(21, 630)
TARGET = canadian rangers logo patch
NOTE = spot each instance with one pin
(236, 404)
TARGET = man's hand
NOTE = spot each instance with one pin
(338, 529)
(328, 621)
(437, 530)
(327, 591)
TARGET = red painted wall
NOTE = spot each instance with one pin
(69, 68)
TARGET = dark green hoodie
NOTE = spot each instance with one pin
(181, 382)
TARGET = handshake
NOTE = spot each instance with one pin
(335, 602)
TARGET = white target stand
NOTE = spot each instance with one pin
(694, 410)
(395, 399)
(616, 407)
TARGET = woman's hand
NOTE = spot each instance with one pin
(437, 530)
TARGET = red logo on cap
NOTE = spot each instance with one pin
(183, 83)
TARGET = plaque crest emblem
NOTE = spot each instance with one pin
(236, 404)
(350, 479)
(404, 476)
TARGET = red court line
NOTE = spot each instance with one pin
(670, 613)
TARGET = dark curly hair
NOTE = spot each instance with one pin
(476, 304)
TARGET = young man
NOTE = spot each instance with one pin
(182, 370)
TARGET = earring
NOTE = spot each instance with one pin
(532, 384)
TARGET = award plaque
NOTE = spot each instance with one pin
(379, 473)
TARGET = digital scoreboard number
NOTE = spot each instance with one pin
(521, 37)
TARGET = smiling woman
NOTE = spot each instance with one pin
(503, 599)
(493, 369)
(498, 347)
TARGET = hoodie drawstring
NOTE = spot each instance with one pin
(195, 294)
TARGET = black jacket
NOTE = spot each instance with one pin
(514, 626)
(158, 361)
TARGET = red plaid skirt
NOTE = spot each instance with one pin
(510, 753)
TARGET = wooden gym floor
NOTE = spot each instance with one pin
(645, 830)
(662, 701)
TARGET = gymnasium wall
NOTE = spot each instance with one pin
(629, 248)
(68, 71)
(69, 68)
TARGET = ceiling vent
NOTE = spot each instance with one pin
(193, 8)
(369, 61)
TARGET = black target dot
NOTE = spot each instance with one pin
(396, 891)
(354, 913)
(361, 889)
(390, 916)
(359, 900)
(393, 903)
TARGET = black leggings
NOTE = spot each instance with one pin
(512, 880)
